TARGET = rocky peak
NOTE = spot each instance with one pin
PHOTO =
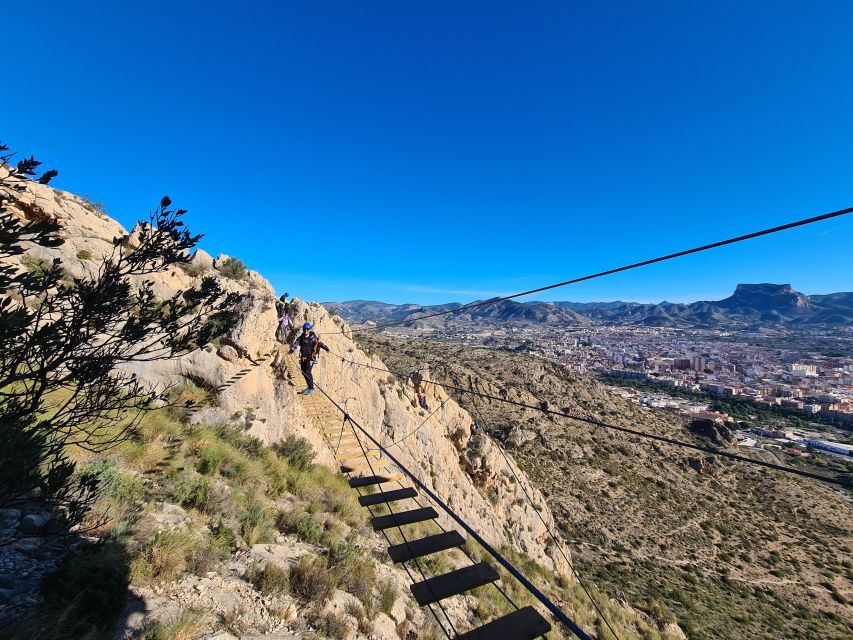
(766, 296)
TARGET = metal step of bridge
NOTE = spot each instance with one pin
(361, 466)
(403, 518)
(351, 455)
(425, 546)
(525, 624)
(453, 583)
(366, 481)
(387, 496)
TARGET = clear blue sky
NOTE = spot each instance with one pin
(437, 151)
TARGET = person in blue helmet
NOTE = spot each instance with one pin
(309, 345)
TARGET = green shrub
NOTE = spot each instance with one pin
(224, 536)
(210, 458)
(194, 269)
(298, 522)
(186, 625)
(387, 596)
(84, 254)
(190, 489)
(168, 555)
(255, 522)
(36, 266)
(272, 579)
(311, 580)
(297, 452)
(332, 626)
(233, 268)
(184, 396)
(353, 570)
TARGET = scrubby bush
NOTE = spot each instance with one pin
(186, 625)
(190, 489)
(297, 452)
(256, 522)
(168, 555)
(387, 596)
(234, 269)
(224, 536)
(353, 569)
(272, 579)
(84, 254)
(311, 580)
(333, 626)
(297, 521)
(181, 398)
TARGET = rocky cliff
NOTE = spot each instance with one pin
(243, 373)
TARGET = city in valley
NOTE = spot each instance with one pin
(790, 401)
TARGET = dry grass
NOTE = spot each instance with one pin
(187, 625)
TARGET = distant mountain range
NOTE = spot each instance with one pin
(749, 305)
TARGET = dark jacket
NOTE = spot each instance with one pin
(309, 344)
(282, 308)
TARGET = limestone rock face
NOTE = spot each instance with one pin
(467, 472)
(201, 261)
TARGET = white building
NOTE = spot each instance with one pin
(833, 447)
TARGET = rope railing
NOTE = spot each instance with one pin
(494, 553)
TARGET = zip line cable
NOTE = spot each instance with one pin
(600, 274)
(642, 434)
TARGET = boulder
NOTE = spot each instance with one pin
(384, 628)
(227, 352)
(132, 240)
(201, 261)
(34, 523)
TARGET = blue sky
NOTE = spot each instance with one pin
(435, 151)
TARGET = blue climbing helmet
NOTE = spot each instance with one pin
(307, 326)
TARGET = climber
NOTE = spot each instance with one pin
(309, 349)
(418, 378)
(285, 321)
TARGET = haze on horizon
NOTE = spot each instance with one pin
(568, 298)
(436, 153)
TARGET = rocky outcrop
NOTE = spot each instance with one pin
(465, 469)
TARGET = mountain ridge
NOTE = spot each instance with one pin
(749, 304)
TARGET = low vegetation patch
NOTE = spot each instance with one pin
(234, 269)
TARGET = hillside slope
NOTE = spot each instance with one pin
(248, 400)
(727, 550)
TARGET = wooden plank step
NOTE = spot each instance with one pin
(387, 496)
(353, 447)
(363, 467)
(345, 457)
(403, 517)
(342, 446)
(341, 438)
(453, 583)
(425, 546)
(346, 444)
(366, 481)
(525, 624)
